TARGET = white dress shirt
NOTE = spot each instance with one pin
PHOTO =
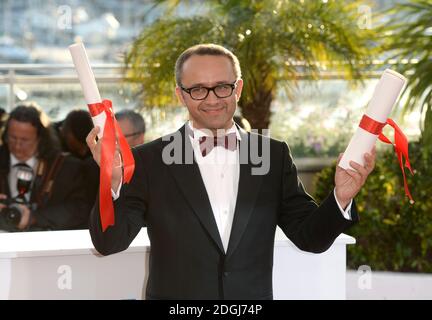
(220, 171)
(32, 162)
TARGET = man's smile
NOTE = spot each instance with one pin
(214, 110)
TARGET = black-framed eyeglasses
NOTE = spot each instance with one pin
(223, 90)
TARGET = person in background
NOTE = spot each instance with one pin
(73, 131)
(55, 196)
(132, 125)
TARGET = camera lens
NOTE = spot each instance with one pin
(13, 215)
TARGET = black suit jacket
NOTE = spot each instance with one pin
(187, 259)
(67, 207)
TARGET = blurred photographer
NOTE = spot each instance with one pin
(40, 187)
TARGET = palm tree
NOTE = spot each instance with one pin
(274, 41)
(411, 40)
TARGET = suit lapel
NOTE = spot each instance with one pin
(189, 180)
(248, 188)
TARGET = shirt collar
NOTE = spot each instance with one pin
(30, 162)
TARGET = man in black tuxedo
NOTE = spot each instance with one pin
(211, 211)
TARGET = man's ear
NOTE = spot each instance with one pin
(179, 95)
(238, 89)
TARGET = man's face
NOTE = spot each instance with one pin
(208, 71)
(22, 139)
(133, 138)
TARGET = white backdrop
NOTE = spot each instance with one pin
(64, 265)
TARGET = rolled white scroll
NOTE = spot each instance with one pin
(384, 97)
(88, 83)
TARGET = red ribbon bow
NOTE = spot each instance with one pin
(400, 144)
(110, 133)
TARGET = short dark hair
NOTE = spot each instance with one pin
(204, 50)
(79, 123)
(135, 118)
(48, 146)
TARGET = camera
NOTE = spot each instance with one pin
(10, 216)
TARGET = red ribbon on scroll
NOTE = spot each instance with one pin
(111, 132)
(400, 144)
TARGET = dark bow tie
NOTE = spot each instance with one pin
(228, 141)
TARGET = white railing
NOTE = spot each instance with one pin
(15, 74)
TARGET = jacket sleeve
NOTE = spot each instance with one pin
(310, 227)
(129, 212)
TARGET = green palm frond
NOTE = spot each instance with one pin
(411, 39)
